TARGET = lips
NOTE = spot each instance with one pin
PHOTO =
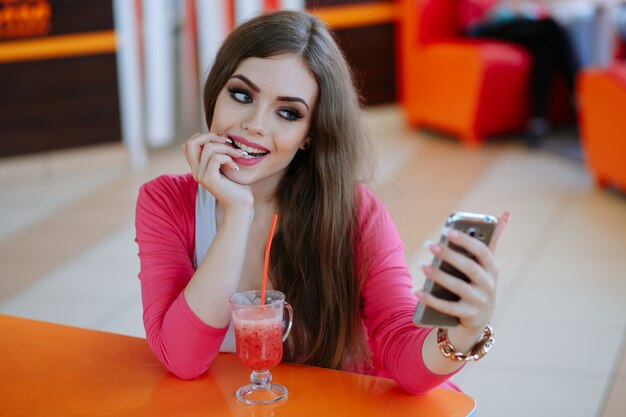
(255, 151)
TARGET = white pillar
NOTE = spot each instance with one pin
(246, 9)
(213, 27)
(604, 34)
(129, 81)
(292, 4)
(159, 24)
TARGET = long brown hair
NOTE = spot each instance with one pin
(313, 253)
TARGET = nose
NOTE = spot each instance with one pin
(254, 122)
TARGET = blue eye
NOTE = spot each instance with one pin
(240, 95)
(289, 114)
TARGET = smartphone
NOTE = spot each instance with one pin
(479, 226)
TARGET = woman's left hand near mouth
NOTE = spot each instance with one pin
(208, 156)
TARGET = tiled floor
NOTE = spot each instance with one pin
(67, 255)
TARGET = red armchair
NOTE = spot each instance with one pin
(470, 88)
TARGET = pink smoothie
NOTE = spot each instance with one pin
(259, 343)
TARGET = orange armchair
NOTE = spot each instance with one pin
(470, 88)
(602, 112)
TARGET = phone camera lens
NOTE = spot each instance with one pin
(471, 231)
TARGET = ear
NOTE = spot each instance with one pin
(305, 144)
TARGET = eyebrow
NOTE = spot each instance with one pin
(256, 89)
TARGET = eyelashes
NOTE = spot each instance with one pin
(242, 96)
(289, 114)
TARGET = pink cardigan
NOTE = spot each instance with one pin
(165, 227)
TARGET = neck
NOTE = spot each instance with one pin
(265, 192)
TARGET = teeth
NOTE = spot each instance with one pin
(250, 150)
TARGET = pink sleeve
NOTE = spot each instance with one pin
(165, 222)
(389, 302)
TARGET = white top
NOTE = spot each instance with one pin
(206, 228)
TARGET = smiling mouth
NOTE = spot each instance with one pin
(252, 152)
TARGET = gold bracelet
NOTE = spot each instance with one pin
(479, 350)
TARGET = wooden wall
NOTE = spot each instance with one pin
(58, 100)
(368, 46)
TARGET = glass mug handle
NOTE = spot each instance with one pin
(289, 321)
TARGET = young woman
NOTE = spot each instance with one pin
(286, 136)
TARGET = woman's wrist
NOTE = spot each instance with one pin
(464, 339)
(480, 348)
(239, 214)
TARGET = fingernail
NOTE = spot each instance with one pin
(228, 140)
(453, 234)
(434, 248)
(506, 216)
(236, 167)
(427, 269)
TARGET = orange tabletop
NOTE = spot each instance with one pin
(54, 370)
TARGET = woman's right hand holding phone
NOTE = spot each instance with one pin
(209, 156)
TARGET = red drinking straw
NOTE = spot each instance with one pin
(267, 259)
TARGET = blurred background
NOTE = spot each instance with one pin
(96, 97)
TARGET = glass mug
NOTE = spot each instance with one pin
(260, 331)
